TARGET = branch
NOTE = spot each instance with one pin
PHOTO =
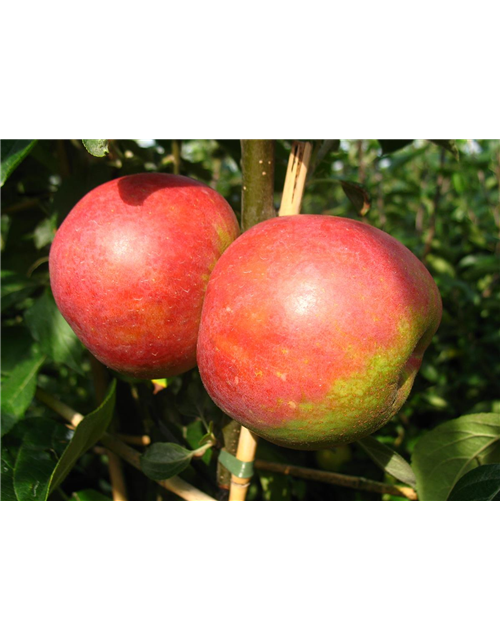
(113, 443)
(257, 199)
(337, 478)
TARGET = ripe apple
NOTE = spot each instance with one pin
(313, 329)
(129, 268)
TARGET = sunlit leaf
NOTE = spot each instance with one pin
(13, 153)
(97, 148)
(442, 456)
(388, 460)
(50, 329)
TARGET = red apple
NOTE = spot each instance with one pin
(313, 329)
(129, 268)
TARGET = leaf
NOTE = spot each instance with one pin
(388, 460)
(15, 288)
(390, 146)
(88, 494)
(88, 432)
(163, 460)
(13, 153)
(97, 148)
(50, 329)
(358, 195)
(19, 387)
(44, 232)
(43, 442)
(482, 483)
(7, 484)
(449, 145)
(442, 456)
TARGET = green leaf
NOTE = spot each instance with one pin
(390, 146)
(13, 153)
(43, 442)
(388, 460)
(163, 460)
(88, 494)
(88, 432)
(449, 145)
(358, 195)
(8, 464)
(482, 483)
(442, 456)
(19, 388)
(50, 329)
(44, 232)
(97, 148)
(15, 288)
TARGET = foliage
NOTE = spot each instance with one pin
(482, 483)
(440, 198)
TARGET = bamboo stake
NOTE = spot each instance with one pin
(295, 180)
(293, 191)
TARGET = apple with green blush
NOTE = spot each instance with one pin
(313, 329)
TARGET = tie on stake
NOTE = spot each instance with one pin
(238, 468)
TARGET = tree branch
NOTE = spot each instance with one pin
(329, 477)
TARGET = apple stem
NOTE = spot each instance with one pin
(295, 180)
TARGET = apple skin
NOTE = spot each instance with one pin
(313, 329)
(129, 267)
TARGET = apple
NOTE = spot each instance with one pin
(129, 267)
(333, 459)
(313, 329)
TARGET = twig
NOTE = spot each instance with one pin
(339, 479)
(113, 443)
